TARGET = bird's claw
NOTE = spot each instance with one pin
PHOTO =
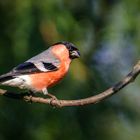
(52, 99)
(52, 96)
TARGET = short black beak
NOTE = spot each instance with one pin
(75, 54)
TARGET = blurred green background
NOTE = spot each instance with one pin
(107, 32)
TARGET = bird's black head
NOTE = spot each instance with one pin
(73, 51)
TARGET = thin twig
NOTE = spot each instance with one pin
(90, 100)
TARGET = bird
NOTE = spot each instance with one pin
(43, 70)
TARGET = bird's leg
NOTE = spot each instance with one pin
(45, 92)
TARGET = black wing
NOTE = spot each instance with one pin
(29, 68)
(26, 68)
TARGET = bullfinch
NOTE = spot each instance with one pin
(43, 70)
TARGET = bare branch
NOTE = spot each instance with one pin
(90, 100)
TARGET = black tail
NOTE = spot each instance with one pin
(5, 77)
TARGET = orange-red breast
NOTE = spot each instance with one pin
(44, 70)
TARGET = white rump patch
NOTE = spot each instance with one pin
(19, 81)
